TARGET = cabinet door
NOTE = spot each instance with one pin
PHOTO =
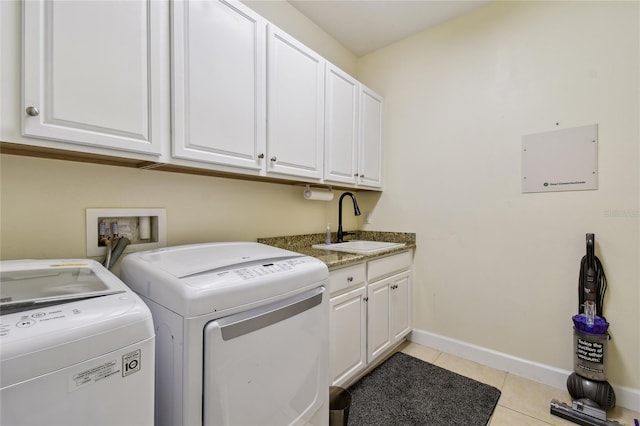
(341, 126)
(400, 310)
(295, 107)
(378, 311)
(219, 83)
(90, 81)
(348, 353)
(370, 157)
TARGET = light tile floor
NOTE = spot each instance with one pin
(523, 402)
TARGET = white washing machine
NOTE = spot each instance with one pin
(76, 346)
(242, 333)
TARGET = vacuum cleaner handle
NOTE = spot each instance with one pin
(587, 285)
(591, 251)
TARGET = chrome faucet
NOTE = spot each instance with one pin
(356, 211)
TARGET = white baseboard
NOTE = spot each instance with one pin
(541, 373)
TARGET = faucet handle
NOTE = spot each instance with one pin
(344, 234)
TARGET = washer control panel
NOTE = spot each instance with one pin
(41, 321)
(15, 322)
(257, 271)
(266, 269)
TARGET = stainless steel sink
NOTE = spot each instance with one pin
(360, 247)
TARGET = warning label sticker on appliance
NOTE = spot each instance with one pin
(92, 375)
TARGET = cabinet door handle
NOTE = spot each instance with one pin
(274, 159)
(355, 175)
(365, 299)
(362, 175)
(33, 111)
(261, 155)
(349, 279)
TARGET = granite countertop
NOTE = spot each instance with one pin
(302, 244)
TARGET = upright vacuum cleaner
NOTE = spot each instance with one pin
(591, 393)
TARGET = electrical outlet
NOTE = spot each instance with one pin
(146, 229)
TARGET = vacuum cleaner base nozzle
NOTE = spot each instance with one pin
(598, 394)
(581, 414)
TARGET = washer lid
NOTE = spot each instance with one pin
(219, 278)
(32, 284)
(185, 261)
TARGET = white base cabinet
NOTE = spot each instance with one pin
(348, 335)
(400, 306)
(369, 315)
(387, 313)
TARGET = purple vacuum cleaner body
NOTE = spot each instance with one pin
(592, 394)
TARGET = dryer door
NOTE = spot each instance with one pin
(268, 365)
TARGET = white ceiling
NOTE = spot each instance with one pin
(363, 26)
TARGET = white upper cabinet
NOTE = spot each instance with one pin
(370, 156)
(295, 107)
(353, 132)
(204, 84)
(341, 126)
(219, 83)
(94, 73)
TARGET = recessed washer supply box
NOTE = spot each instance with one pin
(146, 228)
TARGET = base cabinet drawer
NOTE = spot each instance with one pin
(351, 276)
(389, 265)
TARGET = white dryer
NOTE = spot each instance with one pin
(76, 346)
(242, 333)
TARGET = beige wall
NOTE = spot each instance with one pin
(44, 201)
(495, 267)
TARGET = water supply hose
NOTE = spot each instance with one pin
(119, 246)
